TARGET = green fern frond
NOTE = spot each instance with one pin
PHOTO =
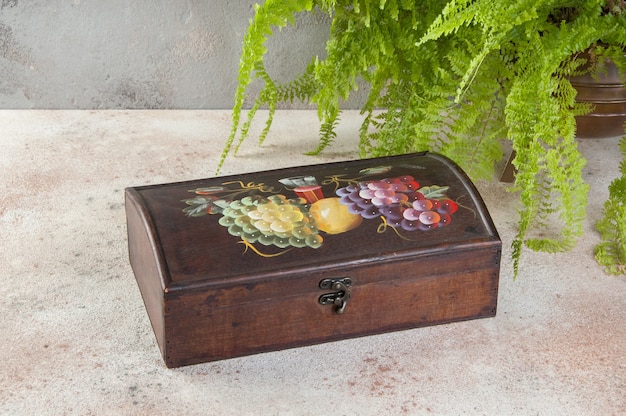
(273, 13)
(303, 88)
(327, 131)
(267, 96)
(611, 251)
(457, 77)
(455, 15)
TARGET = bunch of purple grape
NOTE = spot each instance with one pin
(400, 201)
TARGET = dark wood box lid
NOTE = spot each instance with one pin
(204, 232)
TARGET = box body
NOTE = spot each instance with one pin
(258, 262)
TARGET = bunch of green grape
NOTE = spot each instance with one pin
(273, 220)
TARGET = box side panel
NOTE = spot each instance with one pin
(145, 262)
(385, 296)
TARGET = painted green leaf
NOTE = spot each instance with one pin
(434, 191)
(196, 210)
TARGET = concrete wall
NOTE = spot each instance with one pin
(94, 54)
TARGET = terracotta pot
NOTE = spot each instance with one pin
(608, 94)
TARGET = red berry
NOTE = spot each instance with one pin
(413, 185)
(445, 219)
(447, 206)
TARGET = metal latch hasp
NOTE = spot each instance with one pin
(340, 295)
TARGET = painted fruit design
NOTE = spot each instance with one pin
(401, 202)
(258, 214)
(332, 217)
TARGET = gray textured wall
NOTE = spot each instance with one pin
(94, 54)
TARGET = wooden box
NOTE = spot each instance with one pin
(259, 262)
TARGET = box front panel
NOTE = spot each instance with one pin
(384, 296)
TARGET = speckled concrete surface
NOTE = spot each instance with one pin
(75, 338)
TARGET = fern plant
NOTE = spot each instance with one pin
(459, 77)
(611, 252)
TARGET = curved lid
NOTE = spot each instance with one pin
(306, 217)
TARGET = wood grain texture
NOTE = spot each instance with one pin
(208, 300)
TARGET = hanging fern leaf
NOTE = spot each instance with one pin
(270, 15)
(327, 132)
(458, 77)
(611, 252)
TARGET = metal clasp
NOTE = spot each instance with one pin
(339, 297)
